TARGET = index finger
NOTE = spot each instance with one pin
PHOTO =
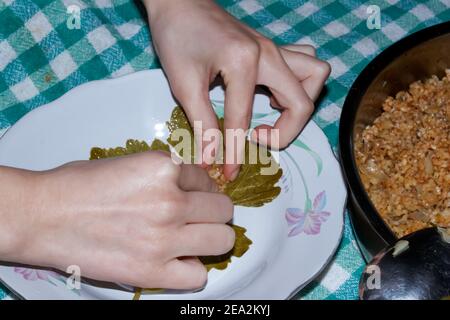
(238, 111)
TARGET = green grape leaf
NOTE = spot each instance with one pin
(131, 146)
(251, 188)
(178, 120)
(241, 245)
(158, 145)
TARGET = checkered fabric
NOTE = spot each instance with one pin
(41, 58)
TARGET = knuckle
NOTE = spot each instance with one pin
(170, 206)
(229, 238)
(228, 208)
(148, 160)
(309, 108)
(303, 110)
(244, 53)
(166, 167)
(323, 68)
(225, 239)
(267, 44)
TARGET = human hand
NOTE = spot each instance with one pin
(139, 220)
(197, 40)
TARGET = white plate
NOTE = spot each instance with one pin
(106, 113)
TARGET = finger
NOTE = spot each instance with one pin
(194, 178)
(184, 274)
(291, 96)
(203, 207)
(310, 71)
(240, 89)
(192, 91)
(205, 239)
(303, 48)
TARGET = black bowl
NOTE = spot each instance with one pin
(416, 57)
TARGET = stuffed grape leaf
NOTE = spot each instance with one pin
(251, 188)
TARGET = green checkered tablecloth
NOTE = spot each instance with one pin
(41, 58)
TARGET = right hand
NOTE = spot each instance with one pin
(197, 41)
(140, 220)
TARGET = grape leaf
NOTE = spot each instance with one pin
(241, 245)
(251, 188)
(131, 146)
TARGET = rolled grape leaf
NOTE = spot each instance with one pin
(241, 245)
(251, 188)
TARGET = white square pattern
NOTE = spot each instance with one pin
(7, 54)
(366, 47)
(306, 40)
(103, 3)
(393, 31)
(250, 6)
(361, 12)
(125, 69)
(24, 90)
(39, 26)
(128, 29)
(336, 29)
(63, 65)
(307, 9)
(101, 39)
(330, 113)
(338, 68)
(334, 278)
(278, 27)
(422, 12)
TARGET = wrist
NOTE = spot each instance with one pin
(17, 212)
